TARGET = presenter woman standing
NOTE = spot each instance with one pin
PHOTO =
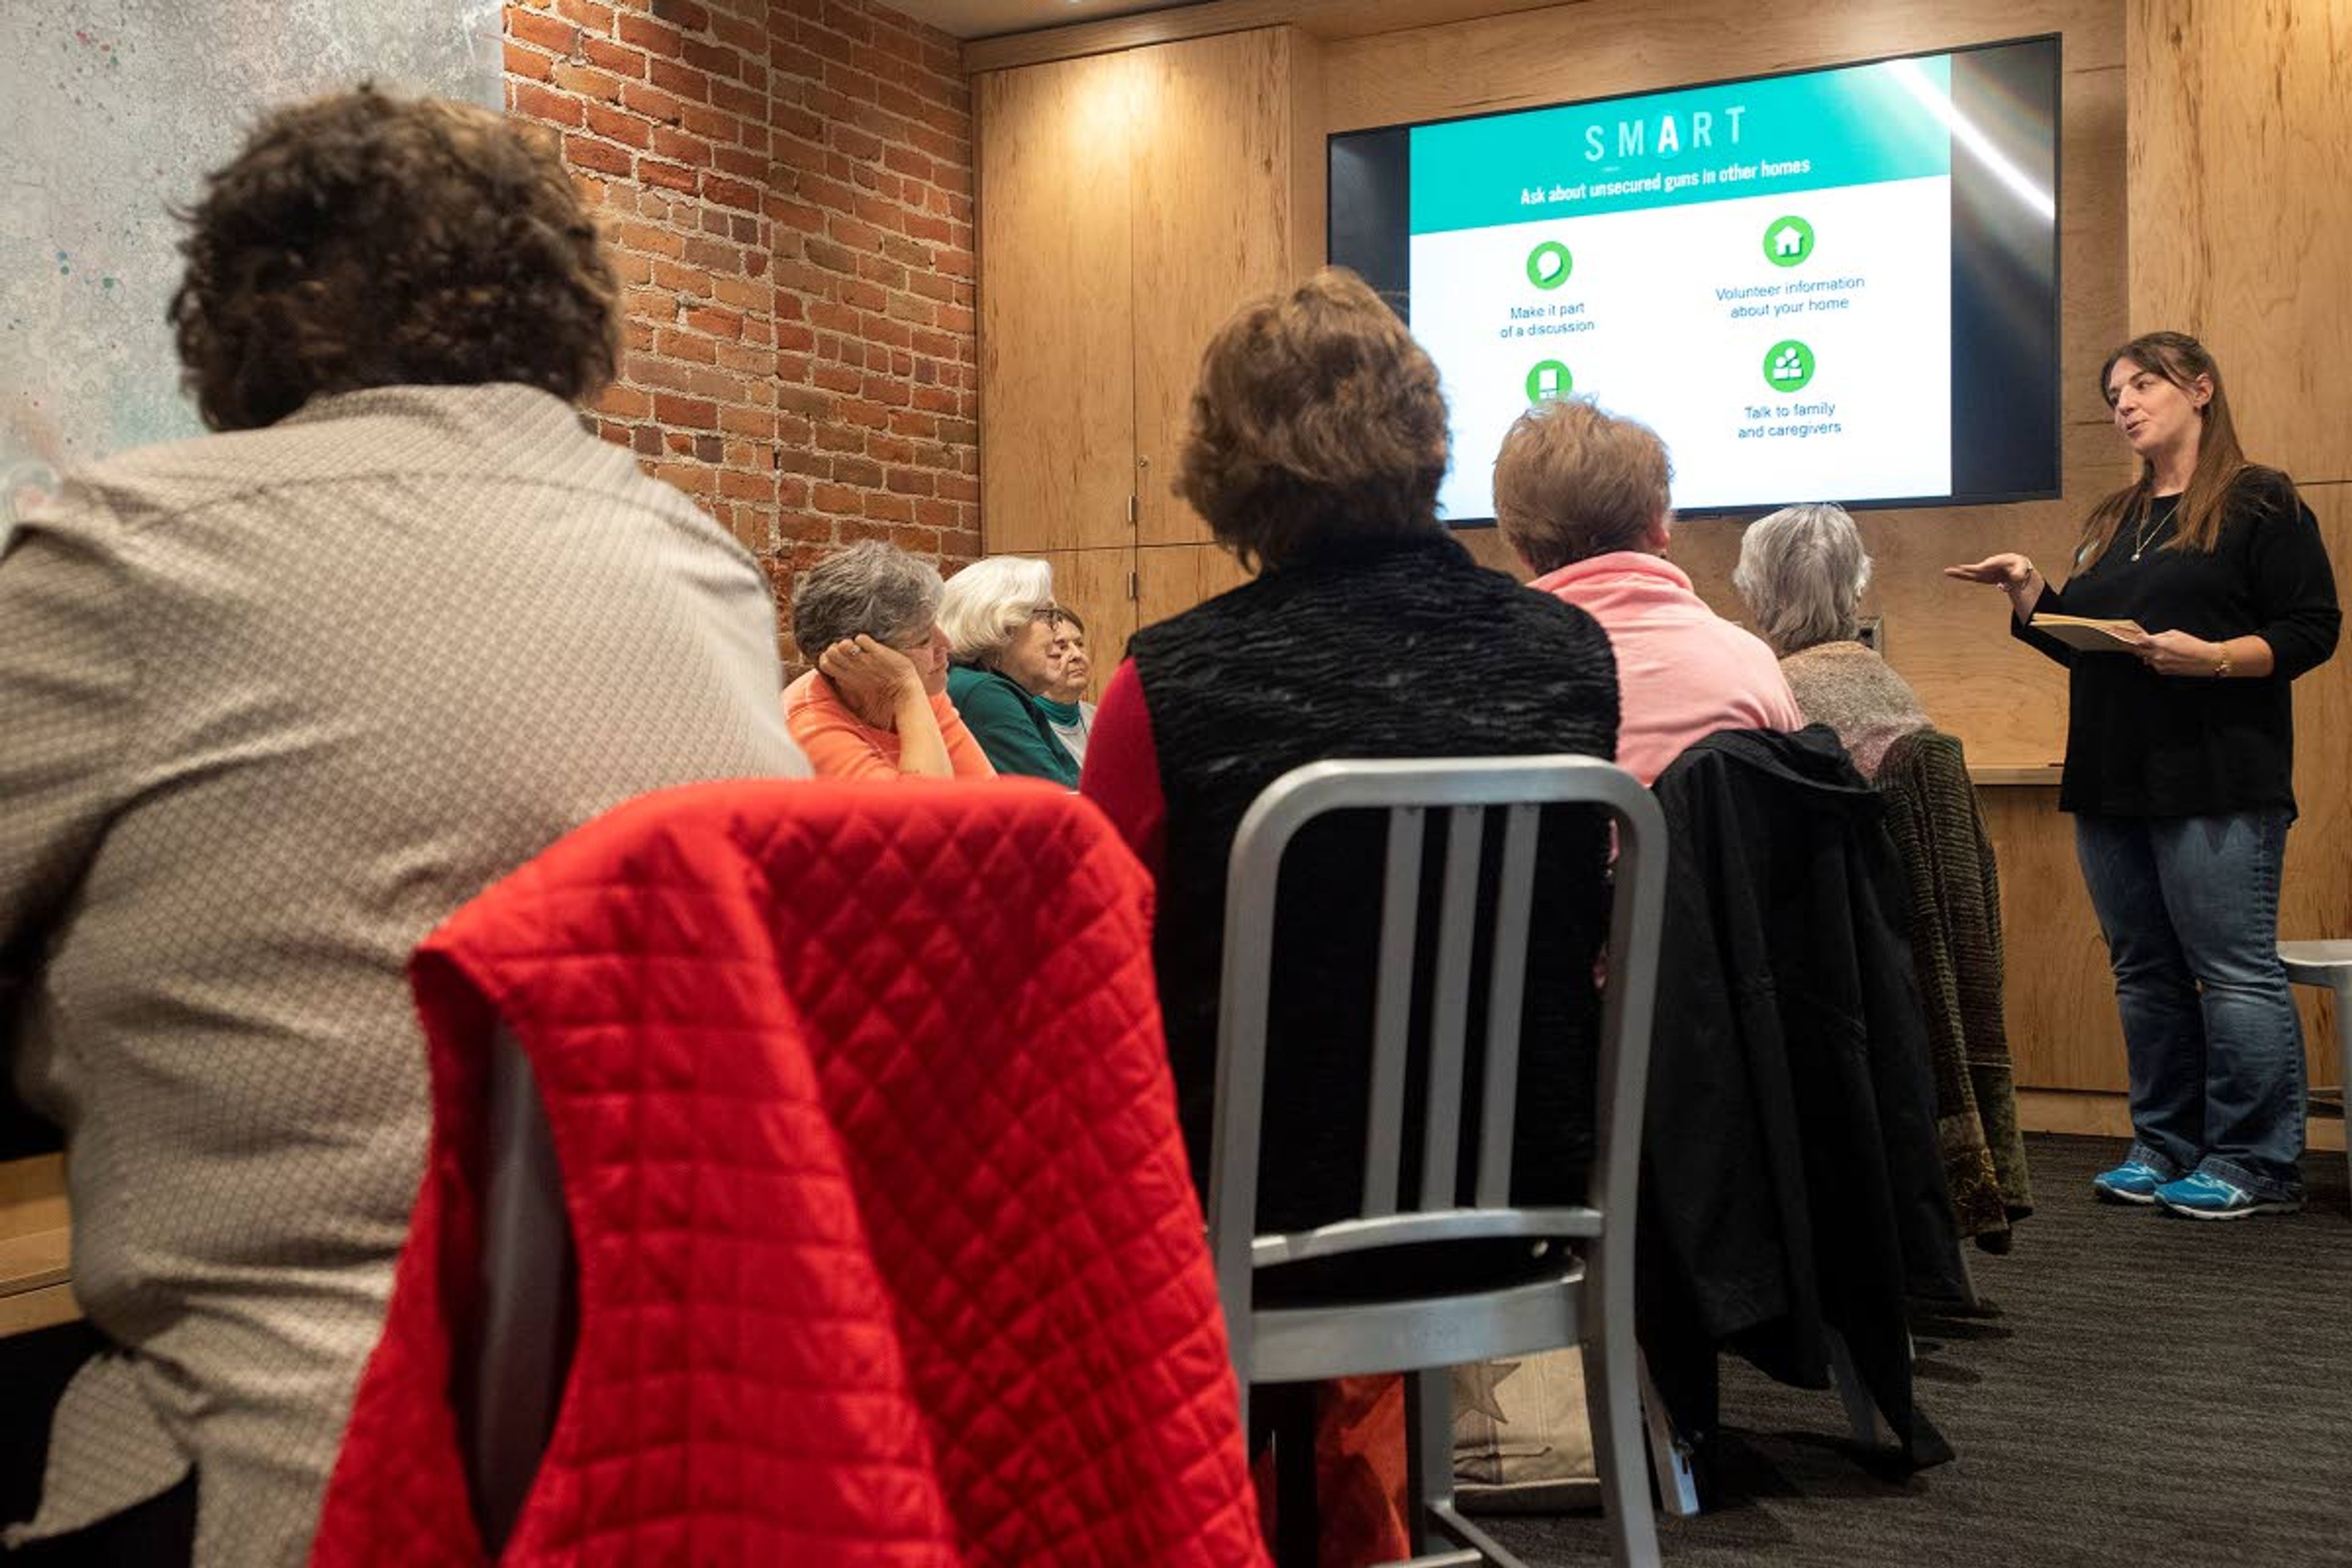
(2180, 756)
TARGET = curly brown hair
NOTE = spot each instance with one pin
(1317, 425)
(364, 240)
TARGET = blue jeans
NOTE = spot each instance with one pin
(2189, 909)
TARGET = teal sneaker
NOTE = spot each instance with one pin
(2129, 1183)
(2203, 1197)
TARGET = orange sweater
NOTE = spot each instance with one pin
(841, 745)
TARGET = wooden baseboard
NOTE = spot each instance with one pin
(2109, 1116)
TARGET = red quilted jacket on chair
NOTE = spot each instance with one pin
(888, 1251)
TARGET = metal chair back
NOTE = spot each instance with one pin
(1589, 1299)
(511, 1379)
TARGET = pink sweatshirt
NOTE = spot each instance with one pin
(1683, 671)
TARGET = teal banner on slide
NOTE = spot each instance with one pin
(1854, 126)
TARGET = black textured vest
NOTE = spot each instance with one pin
(1413, 651)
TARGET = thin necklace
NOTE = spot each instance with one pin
(2142, 535)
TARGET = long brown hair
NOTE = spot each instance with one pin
(2180, 360)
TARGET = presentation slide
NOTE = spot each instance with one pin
(1760, 271)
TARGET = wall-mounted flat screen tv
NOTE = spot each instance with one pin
(1833, 284)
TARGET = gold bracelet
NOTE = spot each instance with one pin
(2221, 665)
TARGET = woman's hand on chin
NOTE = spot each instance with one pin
(871, 676)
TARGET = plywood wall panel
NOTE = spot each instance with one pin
(2242, 220)
(1486, 547)
(2094, 273)
(2064, 1029)
(1056, 379)
(1213, 192)
(1174, 577)
(1605, 47)
(2242, 233)
(2316, 898)
(1202, 19)
(1309, 155)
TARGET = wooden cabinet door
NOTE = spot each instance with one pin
(1173, 578)
(1219, 185)
(1056, 335)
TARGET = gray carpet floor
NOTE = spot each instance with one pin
(2152, 1390)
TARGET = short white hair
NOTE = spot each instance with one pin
(1802, 571)
(988, 601)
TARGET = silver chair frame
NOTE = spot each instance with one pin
(1590, 1301)
(509, 1389)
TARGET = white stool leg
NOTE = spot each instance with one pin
(2344, 1053)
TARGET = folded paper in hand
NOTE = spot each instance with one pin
(2092, 635)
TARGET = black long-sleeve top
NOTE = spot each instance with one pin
(2144, 744)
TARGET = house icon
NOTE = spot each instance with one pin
(1788, 240)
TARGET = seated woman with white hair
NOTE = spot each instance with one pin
(1802, 571)
(875, 705)
(998, 616)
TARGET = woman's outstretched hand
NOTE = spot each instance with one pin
(2011, 572)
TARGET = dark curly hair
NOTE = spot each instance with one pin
(365, 240)
(1316, 427)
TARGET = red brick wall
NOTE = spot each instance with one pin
(787, 188)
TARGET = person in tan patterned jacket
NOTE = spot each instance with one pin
(275, 701)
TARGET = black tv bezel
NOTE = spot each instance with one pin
(2057, 251)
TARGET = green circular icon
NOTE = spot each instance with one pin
(1788, 240)
(1788, 365)
(1550, 264)
(1548, 379)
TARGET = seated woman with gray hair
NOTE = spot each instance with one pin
(875, 705)
(1802, 571)
(998, 616)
